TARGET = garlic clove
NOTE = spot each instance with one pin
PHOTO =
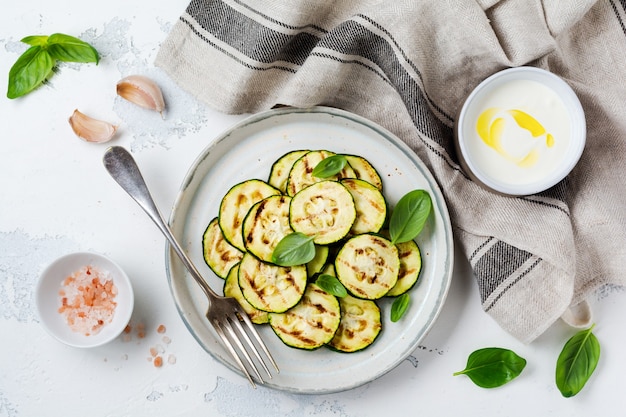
(90, 129)
(142, 91)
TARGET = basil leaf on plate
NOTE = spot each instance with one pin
(409, 216)
(493, 367)
(294, 249)
(576, 362)
(330, 166)
(331, 285)
(70, 49)
(29, 71)
(399, 307)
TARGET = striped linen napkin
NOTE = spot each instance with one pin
(408, 66)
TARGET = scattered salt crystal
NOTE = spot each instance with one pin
(171, 359)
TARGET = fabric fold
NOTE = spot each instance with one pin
(408, 66)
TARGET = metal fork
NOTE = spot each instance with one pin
(225, 314)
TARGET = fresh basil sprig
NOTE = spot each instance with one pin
(330, 166)
(409, 216)
(493, 367)
(399, 307)
(294, 249)
(35, 65)
(577, 361)
(331, 285)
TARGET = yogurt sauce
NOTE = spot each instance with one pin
(518, 132)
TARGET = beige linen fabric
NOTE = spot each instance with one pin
(408, 66)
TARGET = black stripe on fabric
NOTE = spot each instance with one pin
(480, 247)
(511, 284)
(490, 271)
(278, 22)
(619, 19)
(410, 63)
(249, 37)
(352, 38)
(225, 52)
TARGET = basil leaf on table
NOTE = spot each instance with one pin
(70, 49)
(36, 63)
(399, 307)
(409, 216)
(330, 166)
(576, 362)
(29, 71)
(331, 285)
(294, 249)
(493, 367)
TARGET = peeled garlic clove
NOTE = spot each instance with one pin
(90, 129)
(141, 91)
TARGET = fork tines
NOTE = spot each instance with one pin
(241, 337)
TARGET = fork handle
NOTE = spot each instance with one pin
(122, 167)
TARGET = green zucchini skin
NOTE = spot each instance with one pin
(368, 266)
(312, 323)
(410, 267)
(321, 257)
(270, 287)
(370, 204)
(218, 254)
(324, 210)
(301, 173)
(235, 206)
(359, 327)
(232, 289)
(364, 170)
(266, 223)
(279, 173)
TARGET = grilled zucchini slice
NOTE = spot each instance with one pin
(271, 287)
(235, 205)
(371, 207)
(301, 173)
(218, 254)
(232, 289)
(364, 170)
(310, 324)
(368, 266)
(281, 168)
(360, 325)
(324, 210)
(410, 267)
(266, 223)
(316, 264)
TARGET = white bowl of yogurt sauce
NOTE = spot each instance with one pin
(520, 131)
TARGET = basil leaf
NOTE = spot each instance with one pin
(331, 285)
(36, 40)
(409, 216)
(29, 71)
(493, 367)
(294, 249)
(70, 49)
(399, 307)
(577, 361)
(330, 166)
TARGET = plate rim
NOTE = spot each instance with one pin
(446, 275)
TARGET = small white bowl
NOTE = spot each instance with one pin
(48, 300)
(537, 92)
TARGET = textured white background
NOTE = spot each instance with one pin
(57, 198)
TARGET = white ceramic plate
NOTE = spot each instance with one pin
(247, 151)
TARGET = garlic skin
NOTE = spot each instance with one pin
(90, 129)
(142, 91)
